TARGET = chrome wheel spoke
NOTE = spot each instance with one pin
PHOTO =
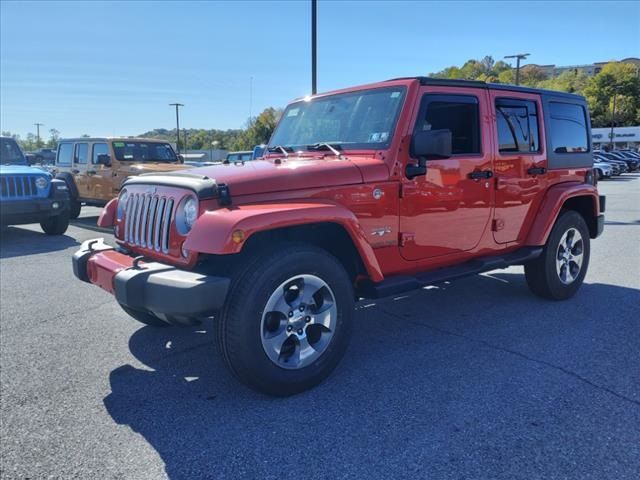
(324, 317)
(276, 341)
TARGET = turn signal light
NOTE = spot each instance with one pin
(237, 236)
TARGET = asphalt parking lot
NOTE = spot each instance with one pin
(470, 380)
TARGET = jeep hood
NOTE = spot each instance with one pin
(263, 176)
(21, 170)
(140, 168)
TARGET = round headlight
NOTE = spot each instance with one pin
(186, 215)
(41, 183)
(122, 204)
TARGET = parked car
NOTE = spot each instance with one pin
(30, 195)
(603, 169)
(607, 157)
(258, 151)
(243, 156)
(95, 168)
(44, 155)
(367, 192)
(632, 153)
(632, 163)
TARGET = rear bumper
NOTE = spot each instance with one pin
(151, 286)
(602, 200)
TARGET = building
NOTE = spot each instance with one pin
(590, 69)
(624, 137)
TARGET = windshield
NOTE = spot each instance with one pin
(10, 153)
(144, 152)
(364, 119)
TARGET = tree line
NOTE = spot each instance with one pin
(257, 132)
(619, 81)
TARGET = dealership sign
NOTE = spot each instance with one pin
(622, 134)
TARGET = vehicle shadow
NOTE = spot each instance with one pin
(17, 242)
(89, 223)
(430, 383)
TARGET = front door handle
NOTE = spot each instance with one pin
(91, 172)
(478, 174)
(75, 171)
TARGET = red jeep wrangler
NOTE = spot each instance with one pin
(363, 193)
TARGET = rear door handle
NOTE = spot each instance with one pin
(478, 174)
(75, 171)
(91, 172)
(537, 171)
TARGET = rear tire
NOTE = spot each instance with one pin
(56, 225)
(145, 317)
(287, 319)
(558, 273)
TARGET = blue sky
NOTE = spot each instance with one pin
(111, 68)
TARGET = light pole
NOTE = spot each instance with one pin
(518, 57)
(177, 105)
(38, 125)
(314, 57)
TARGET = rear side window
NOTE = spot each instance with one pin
(517, 125)
(82, 153)
(99, 149)
(457, 113)
(65, 154)
(568, 129)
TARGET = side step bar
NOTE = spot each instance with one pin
(401, 284)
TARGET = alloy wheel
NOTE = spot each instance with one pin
(298, 321)
(569, 256)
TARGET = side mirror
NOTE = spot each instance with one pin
(31, 159)
(180, 158)
(104, 159)
(428, 145)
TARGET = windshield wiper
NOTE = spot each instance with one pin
(280, 148)
(327, 146)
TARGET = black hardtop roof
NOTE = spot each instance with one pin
(446, 82)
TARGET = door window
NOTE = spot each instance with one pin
(65, 154)
(568, 128)
(517, 125)
(457, 113)
(82, 153)
(99, 149)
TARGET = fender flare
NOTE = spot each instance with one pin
(71, 184)
(551, 205)
(107, 217)
(213, 230)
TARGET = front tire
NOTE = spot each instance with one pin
(287, 319)
(55, 225)
(558, 273)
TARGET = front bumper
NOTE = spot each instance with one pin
(34, 210)
(151, 286)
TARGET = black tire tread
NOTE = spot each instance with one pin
(243, 283)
